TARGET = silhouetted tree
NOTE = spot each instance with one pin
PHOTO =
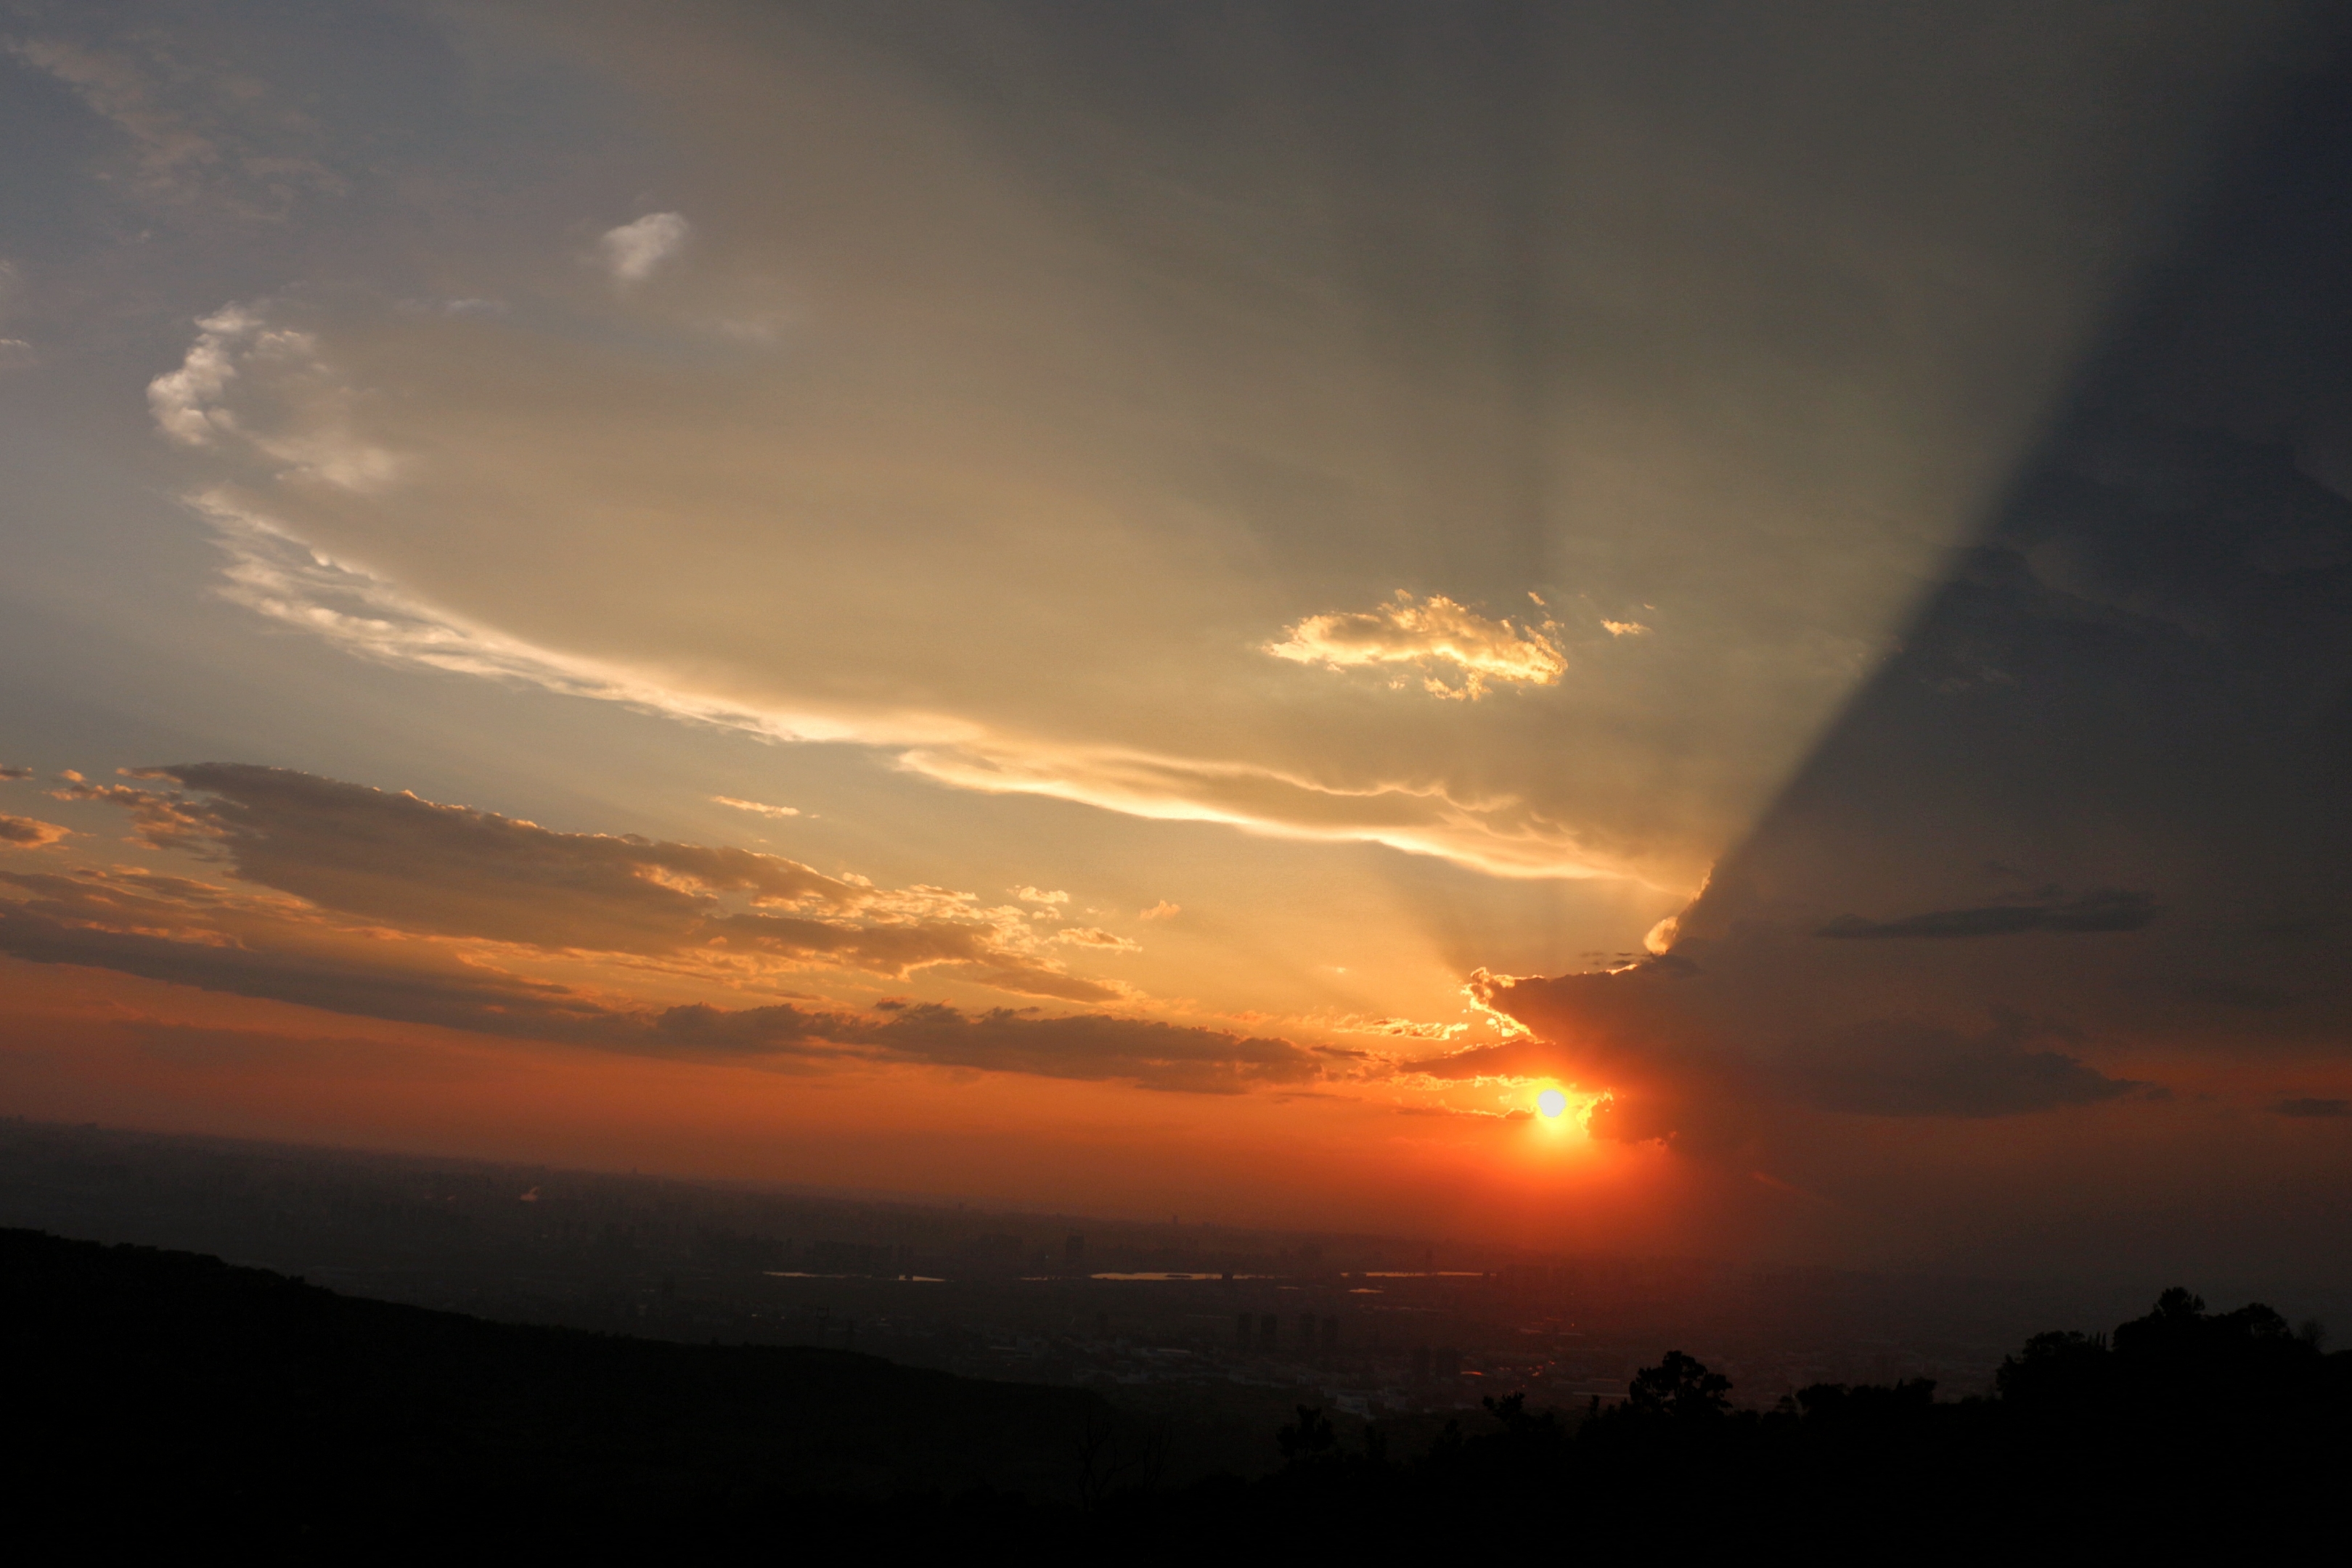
(1308, 1438)
(1680, 1387)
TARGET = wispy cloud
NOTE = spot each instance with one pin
(757, 809)
(193, 132)
(125, 89)
(1431, 634)
(276, 575)
(1096, 939)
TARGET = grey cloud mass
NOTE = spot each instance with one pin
(190, 934)
(2104, 910)
(2137, 682)
(454, 871)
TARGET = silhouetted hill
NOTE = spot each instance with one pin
(174, 1399)
(167, 1402)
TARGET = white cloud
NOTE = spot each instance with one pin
(757, 809)
(1163, 910)
(186, 401)
(1040, 895)
(311, 434)
(634, 251)
(1430, 633)
(275, 574)
(1626, 628)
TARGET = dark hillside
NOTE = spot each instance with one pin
(172, 1397)
(163, 1401)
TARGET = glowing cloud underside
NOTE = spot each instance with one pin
(1430, 633)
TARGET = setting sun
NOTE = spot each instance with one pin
(1551, 1102)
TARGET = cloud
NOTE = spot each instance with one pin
(1681, 1058)
(194, 131)
(9, 773)
(2108, 910)
(2317, 1109)
(1400, 1029)
(454, 871)
(756, 808)
(1098, 939)
(189, 932)
(30, 833)
(1156, 1055)
(634, 251)
(275, 574)
(1163, 910)
(1054, 467)
(1625, 628)
(1904, 1067)
(185, 402)
(2167, 605)
(1429, 633)
(122, 89)
(1029, 894)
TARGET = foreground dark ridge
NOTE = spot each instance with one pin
(182, 1398)
(172, 1399)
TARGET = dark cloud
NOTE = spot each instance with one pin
(455, 871)
(2313, 1108)
(1894, 1067)
(9, 775)
(460, 872)
(190, 933)
(2104, 910)
(1093, 1045)
(29, 831)
(2137, 682)
(182, 932)
(1089, 1047)
(1688, 1056)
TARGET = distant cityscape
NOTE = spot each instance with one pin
(1210, 1322)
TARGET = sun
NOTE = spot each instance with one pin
(1551, 1102)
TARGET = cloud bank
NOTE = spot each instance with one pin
(360, 901)
(452, 871)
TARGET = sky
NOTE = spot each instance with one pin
(1179, 608)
